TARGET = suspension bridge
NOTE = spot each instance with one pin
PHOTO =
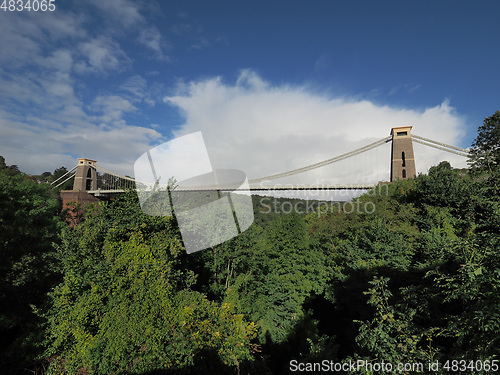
(91, 178)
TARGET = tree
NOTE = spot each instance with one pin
(126, 306)
(391, 336)
(486, 147)
(59, 172)
(8, 170)
(442, 187)
(268, 274)
(29, 224)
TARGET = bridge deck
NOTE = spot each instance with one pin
(258, 188)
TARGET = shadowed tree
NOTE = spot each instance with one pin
(29, 224)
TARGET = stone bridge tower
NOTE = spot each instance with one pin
(402, 157)
(86, 175)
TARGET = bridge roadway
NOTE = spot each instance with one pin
(255, 188)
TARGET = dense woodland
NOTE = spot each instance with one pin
(417, 280)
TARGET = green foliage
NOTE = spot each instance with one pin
(390, 336)
(29, 223)
(271, 277)
(442, 187)
(475, 286)
(384, 238)
(8, 170)
(413, 279)
(436, 238)
(125, 303)
(265, 274)
(485, 152)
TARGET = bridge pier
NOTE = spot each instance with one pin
(86, 175)
(85, 180)
(402, 157)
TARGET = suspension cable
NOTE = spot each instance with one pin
(442, 148)
(53, 182)
(439, 143)
(113, 173)
(324, 162)
(69, 178)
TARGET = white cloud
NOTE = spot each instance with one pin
(60, 89)
(24, 35)
(60, 60)
(124, 12)
(123, 17)
(49, 91)
(48, 114)
(18, 48)
(112, 108)
(58, 26)
(152, 39)
(406, 88)
(136, 86)
(263, 129)
(321, 64)
(102, 55)
(181, 28)
(42, 146)
(137, 89)
(57, 127)
(201, 43)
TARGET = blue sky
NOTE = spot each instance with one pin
(272, 85)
